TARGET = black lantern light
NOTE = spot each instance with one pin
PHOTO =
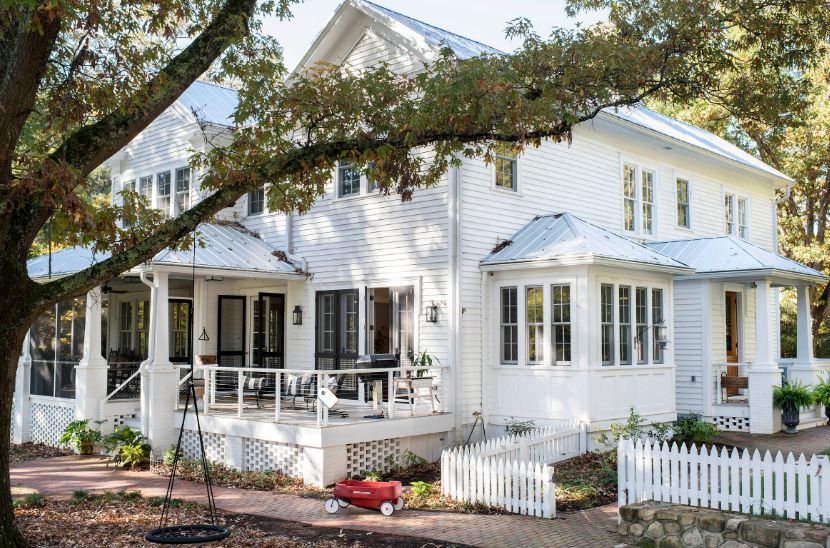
(297, 315)
(432, 313)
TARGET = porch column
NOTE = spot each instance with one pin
(764, 373)
(22, 406)
(91, 372)
(804, 346)
(159, 379)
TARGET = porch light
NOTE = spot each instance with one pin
(213, 278)
(297, 315)
(432, 313)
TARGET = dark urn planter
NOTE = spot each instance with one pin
(827, 413)
(790, 419)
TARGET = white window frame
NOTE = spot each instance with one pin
(681, 177)
(175, 189)
(521, 285)
(737, 229)
(640, 168)
(152, 194)
(363, 190)
(633, 284)
(169, 195)
(517, 175)
(248, 202)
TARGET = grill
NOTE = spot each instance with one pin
(376, 382)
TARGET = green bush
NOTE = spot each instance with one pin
(821, 393)
(634, 428)
(32, 500)
(421, 488)
(793, 395)
(170, 455)
(129, 447)
(693, 429)
(516, 427)
(372, 475)
(78, 432)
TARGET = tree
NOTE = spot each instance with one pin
(80, 78)
(792, 134)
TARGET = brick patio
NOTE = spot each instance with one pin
(810, 441)
(63, 475)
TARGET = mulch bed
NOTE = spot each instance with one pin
(121, 519)
(32, 451)
(586, 481)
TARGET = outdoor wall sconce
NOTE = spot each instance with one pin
(213, 278)
(297, 315)
(432, 313)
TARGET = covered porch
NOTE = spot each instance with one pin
(738, 286)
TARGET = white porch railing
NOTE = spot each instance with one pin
(731, 387)
(123, 381)
(237, 388)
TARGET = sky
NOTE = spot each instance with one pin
(482, 20)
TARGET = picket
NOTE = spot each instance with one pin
(736, 481)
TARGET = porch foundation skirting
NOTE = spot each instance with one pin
(320, 457)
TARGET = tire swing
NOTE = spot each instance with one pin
(198, 533)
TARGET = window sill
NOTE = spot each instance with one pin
(498, 190)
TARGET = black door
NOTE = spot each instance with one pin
(180, 325)
(337, 328)
(231, 342)
(269, 331)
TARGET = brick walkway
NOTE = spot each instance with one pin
(595, 528)
(810, 441)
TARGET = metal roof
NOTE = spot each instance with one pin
(224, 247)
(564, 237)
(733, 257)
(210, 103)
(463, 47)
(691, 135)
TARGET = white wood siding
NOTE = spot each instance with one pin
(689, 344)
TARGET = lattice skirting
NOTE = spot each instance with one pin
(118, 421)
(371, 455)
(214, 446)
(740, 424)
(49, 421)
(266, 455)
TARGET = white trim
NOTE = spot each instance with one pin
(640, 166)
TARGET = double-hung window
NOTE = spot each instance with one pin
(657, 321)
(348, 180)
(607, 323)
(683, 203)
(125, 338)
(256, 201)
(624, 302)
(535, 332)
(736, 215)
(182, 189)
(145, 189)
(506, 166)
(561, 323)
(509, 306)
(641, 318)
(163, 192)
(639, 199)
(129, 186)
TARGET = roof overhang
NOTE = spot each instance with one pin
(778, 277)
(583, 260)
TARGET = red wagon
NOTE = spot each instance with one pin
(375, 495)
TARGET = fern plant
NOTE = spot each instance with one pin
(821, 393)
(793, 395)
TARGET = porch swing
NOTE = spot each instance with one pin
(197, 533)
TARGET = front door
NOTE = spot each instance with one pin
(731, 309)
(269, 328)
(231, 343)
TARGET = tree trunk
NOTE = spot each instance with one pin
(12, 334)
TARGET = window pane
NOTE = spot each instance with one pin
(505, 163)
(535, 325)
(348, 180)
(256, 201)
(327, 322)
(657, 319)
(728, 212)
(561, 319)
(182, 189)
(624, 301)
(163, 192)
(641, 316)
(607, 323)
(743, 229)
(349, 325)
(629, 195)
(509, 325)
(648, 201)
(683, 203)
(145, 189)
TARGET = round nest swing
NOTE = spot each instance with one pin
(200, 532)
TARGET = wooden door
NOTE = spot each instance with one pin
(731, 309)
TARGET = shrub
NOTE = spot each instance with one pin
(77, 433)
(516, 427)
(170, 455)
(128, 447)
(31, 500)
(693, 429)
(634, 428)
(821, 393)
(793, 395)
(421, 488)
(372, 475)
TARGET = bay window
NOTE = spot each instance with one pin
(535, 325)
(657, 321)
(641, 318)
(561, 323)
(522, 316)
(607, 323)
(638, 324)
(624, 302)
(509, 325)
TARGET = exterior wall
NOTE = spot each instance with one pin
(690, 342)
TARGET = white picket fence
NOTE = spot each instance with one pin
(795, 488)
(514, 473)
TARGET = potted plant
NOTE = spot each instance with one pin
(79, 434)
(821, 395)
(422, 360)
(790, 399)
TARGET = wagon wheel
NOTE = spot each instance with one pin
(332, 506)
(386, 508)
(398, 503)
(343, 503)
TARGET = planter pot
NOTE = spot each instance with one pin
(87, 448)
(421, 382)
(790, 419)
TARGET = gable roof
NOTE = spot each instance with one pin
(564, 237)
(224, 246)
(210, 103)
(463, 47)
(730, 256)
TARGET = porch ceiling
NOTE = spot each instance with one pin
(734, 258)
(226, 248)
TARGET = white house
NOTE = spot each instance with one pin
(636, 266)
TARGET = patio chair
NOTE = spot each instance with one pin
(255, 386)
(300, 387)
